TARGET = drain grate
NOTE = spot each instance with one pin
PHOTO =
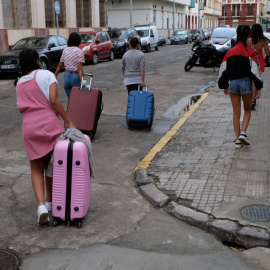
(256, 212)
(9, 260)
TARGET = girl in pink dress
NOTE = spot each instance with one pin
(37, 100)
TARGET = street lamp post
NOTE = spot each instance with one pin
(173, 16)
(198, 13)
(130, 13)
(224, 14)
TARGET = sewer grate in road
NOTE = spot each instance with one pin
(9, 260)
(256, 212)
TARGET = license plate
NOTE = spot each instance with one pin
(7, 66)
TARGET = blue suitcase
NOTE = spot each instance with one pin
(140, 109)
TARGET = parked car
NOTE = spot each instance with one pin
(220, 34)
(207, 33)
(197, 34)
(149, 36)
(49, 48)
(96, 46)
(162, 41)
(120, 39)
(181, 36)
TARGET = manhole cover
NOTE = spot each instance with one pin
(257, 212)
(9, 260)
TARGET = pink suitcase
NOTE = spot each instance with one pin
(71, 182)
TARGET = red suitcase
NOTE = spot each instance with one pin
(84, 107)
(71, 181)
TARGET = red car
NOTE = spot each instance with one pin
(96, 45)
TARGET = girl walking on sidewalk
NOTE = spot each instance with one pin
(37, 100)
(237, 72)
(259, 43)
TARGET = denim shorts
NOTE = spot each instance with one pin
(241, 86)
(71, 78)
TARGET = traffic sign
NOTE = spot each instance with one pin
(57, 7)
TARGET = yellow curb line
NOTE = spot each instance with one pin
(145, 162)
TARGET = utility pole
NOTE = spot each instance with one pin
(173, 16)
(224, 14)
(198, 14)
(213, 23)
(131, 13)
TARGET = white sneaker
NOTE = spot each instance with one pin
(48, 205)
(43, 214)
(238, 144)
(243, 138)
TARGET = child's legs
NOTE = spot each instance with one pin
(247, 100)
(48, 180)
(236, 103)
(37, 175)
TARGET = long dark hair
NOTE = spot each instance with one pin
(257, 33)
(28, 62)
(243, 32)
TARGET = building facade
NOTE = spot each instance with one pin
(22, 18)
(160, 13)
(237, 12)
(188, 14)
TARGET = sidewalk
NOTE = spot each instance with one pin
(197, 175)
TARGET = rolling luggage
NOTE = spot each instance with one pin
(71, 181)
(84, 107)
(140, 109)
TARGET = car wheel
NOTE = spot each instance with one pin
(156, 48)
(148, 49)
(111, 57)
(95, 59)
(44, 64)
(186, 42)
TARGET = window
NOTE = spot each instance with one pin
(235, 24)
(50, 14)
(83, 13)
(236, 9)
(154, 15)
(16, 13)
(53, 42)
(102, 13)
(62, 41)
(99, 36)
(250, 10)
(105, 37)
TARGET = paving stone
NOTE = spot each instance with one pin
(252, 237)
(225, 230)
(188, 215)
(154, 195)
(141, 177)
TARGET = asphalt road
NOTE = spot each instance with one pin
(121, 230)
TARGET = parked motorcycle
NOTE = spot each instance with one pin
(206, 55)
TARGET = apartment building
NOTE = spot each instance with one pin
(237, 12)
(22, 18)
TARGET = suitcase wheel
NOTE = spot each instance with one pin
(79, 223)
(55, 222)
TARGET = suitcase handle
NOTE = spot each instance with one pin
(89, 86)
(144, 88)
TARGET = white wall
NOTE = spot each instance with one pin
(143, 12)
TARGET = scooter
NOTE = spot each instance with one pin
(206, 55)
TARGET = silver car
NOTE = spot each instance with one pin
(181, 36)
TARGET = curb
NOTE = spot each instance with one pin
(228, 231)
